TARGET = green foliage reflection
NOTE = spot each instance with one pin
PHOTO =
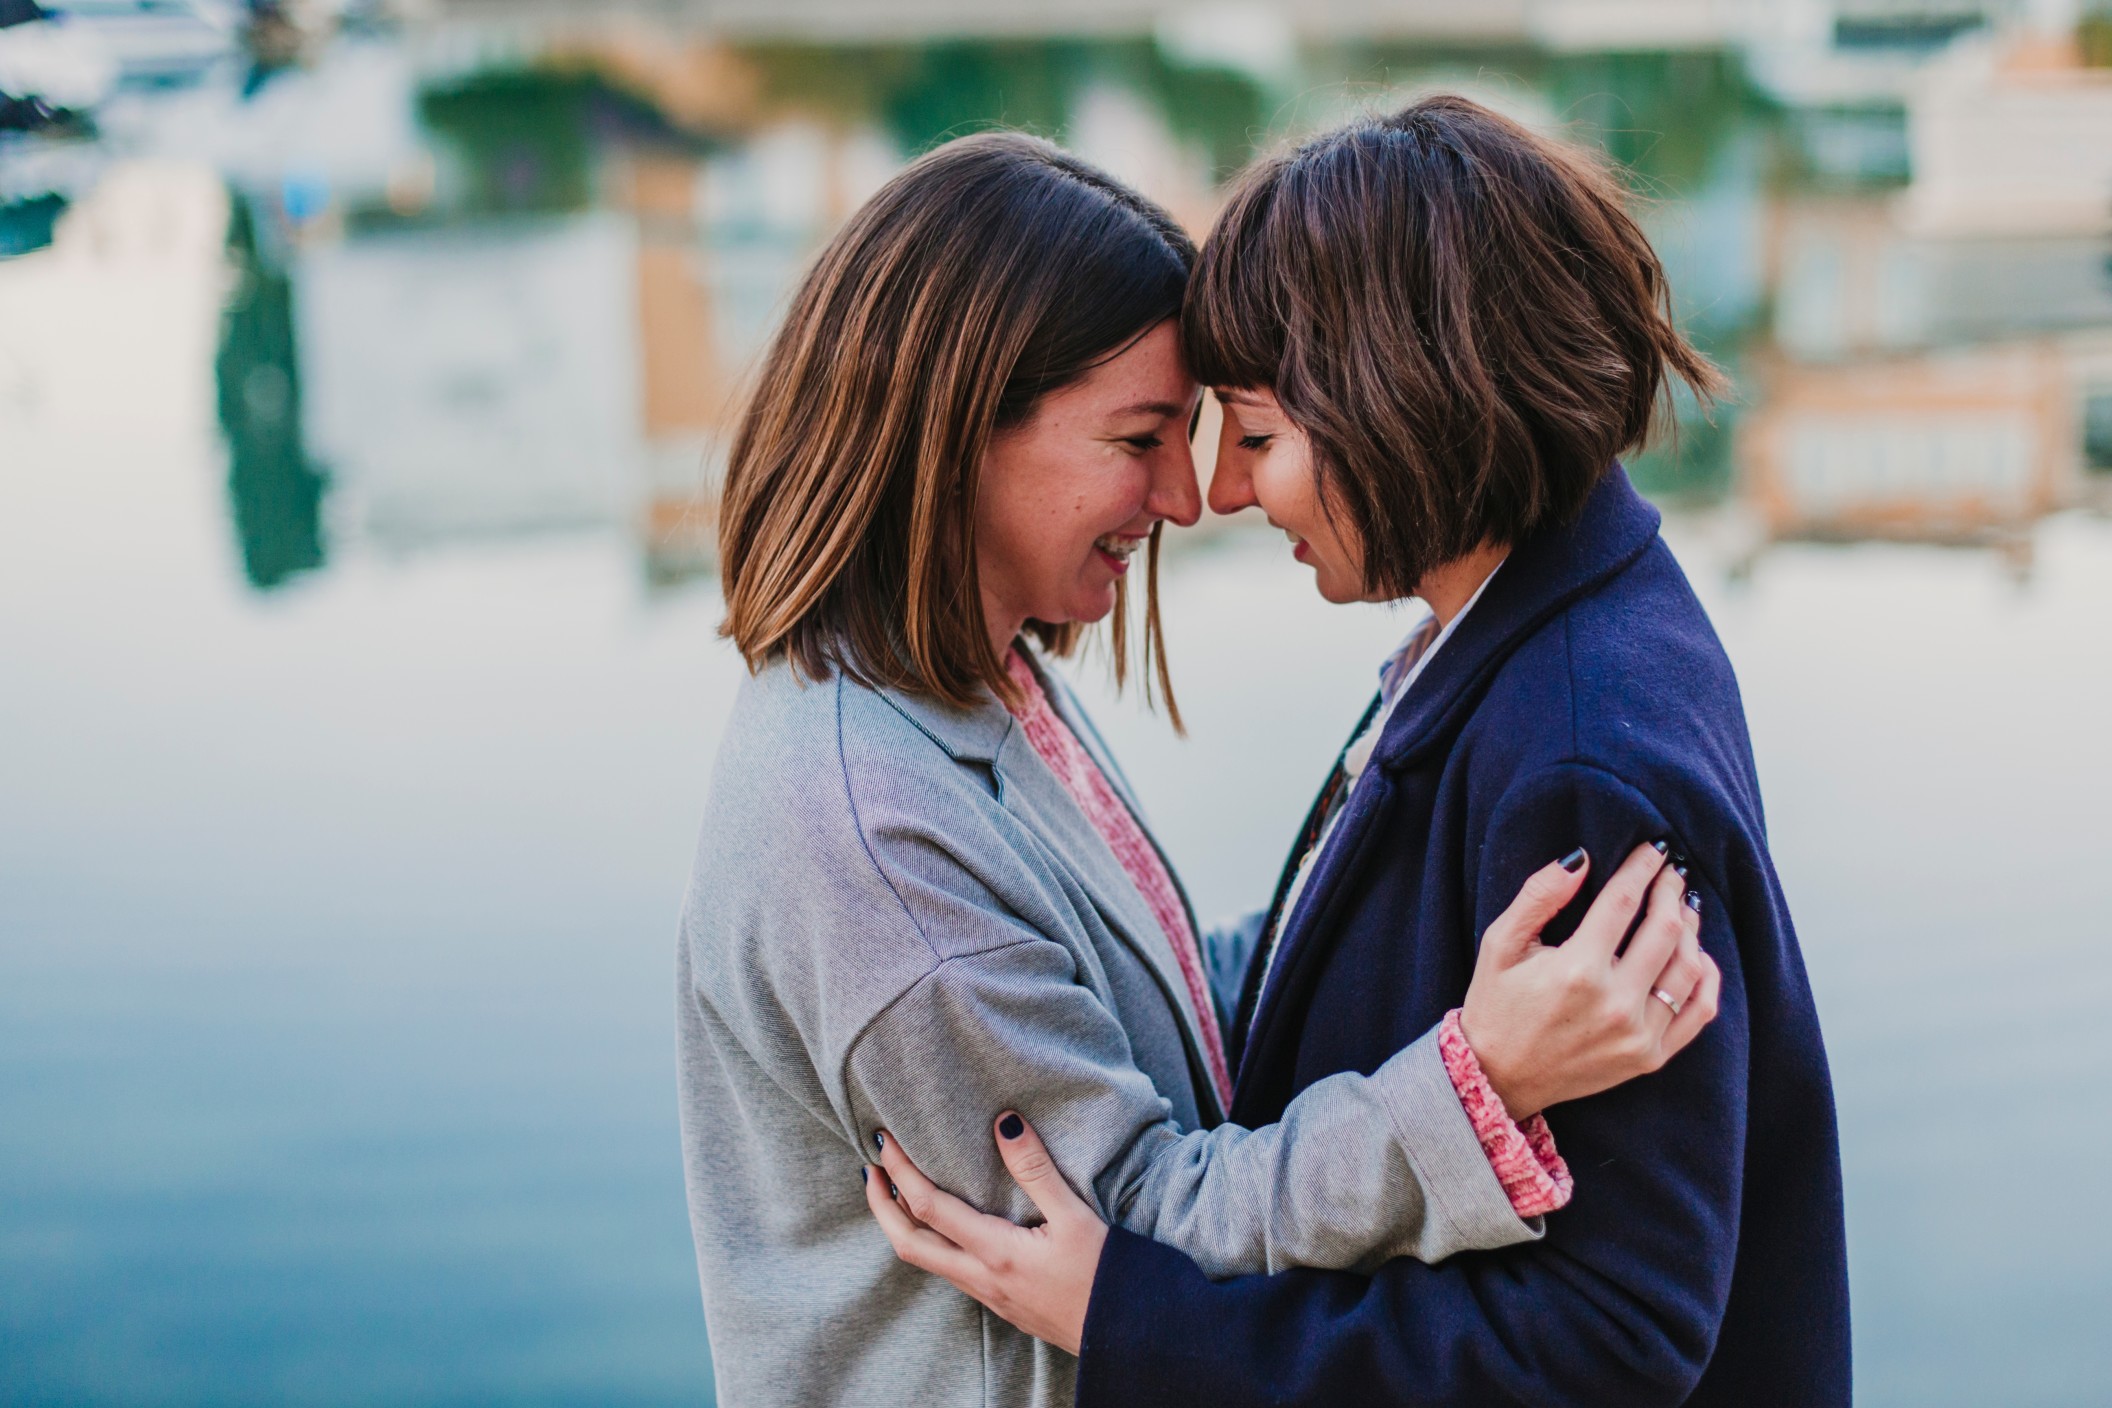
(275, 492)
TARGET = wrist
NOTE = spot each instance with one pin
(1514, 1088)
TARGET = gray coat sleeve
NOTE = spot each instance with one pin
(1358, 1171)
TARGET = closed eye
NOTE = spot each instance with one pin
(1254, 442)
(1143, 444)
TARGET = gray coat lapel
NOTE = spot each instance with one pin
(988, 735)
(1150, 940)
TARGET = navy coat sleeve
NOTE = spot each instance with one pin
(1619, 1304)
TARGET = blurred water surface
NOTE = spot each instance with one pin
(361, 396)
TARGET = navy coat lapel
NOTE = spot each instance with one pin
(1541, 577)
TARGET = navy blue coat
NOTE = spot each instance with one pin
(1584, 699)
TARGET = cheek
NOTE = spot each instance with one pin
(1284, 488)
(1036, 528)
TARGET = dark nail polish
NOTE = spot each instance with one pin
(892, 1190)
(1679, 869)
(1011, 1127)
(1660, 845)
(1694, 900)
(1574, 861)
(879, 1139)
(863, 1173)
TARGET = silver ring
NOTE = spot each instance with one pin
(1662, 996)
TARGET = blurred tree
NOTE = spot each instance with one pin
(922, 94)
(969, 85)
(1217, 110)
(522, 138)
(843, 84)
(2093, 36)
(275, 493)
(1696, 459)
(1663, 116)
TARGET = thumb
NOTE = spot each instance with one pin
(1035, 1172)
(1516, 931)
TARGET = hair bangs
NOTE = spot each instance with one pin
(1233, 327)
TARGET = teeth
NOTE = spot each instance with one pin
(1114, 545)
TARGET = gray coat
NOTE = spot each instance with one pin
(899, 919)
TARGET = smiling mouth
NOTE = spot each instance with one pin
(1117, 548)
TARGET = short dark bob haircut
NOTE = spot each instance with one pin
(988, 273)
(1461, 316)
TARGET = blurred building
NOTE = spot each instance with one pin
(512, 262)
(472, 381)
(1924, 382)
(2012, 138)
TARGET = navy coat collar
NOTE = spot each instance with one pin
(1540, 578)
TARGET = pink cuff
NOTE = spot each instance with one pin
(1523, 1156)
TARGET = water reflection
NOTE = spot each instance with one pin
(458, 354)
(526, 289)
(275, 492)
(1937, 350)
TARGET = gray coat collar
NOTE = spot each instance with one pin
(971, 735)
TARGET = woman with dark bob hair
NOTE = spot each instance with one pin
(925, 905)
(1432, 334)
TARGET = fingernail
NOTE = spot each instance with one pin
(879, 1139)
(862, 1172)
(1694, 900)
(1011, 1127)
(1679, 868)
(892, 1190)
(1660, 845)
(1574, 861)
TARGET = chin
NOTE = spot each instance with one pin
(1086, 609)
(1096, 611)
(1337, 593)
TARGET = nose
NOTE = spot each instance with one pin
(1231, 481)
(1175, 495)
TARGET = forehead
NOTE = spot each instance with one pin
(1248, 398)
(1146, 375)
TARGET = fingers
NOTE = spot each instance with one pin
(1681, 973)
(919, 1246)
(1657, 940)
(1517, 930)
(1033, 1170)
(1698, 1011)
(1606, 922)
(936, 1208)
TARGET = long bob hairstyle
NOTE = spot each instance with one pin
(990, 272)
(1460, 315)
